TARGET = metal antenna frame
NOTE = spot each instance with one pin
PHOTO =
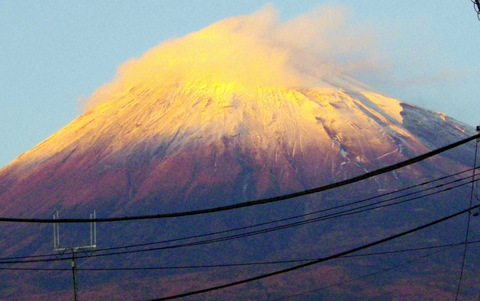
(58, 248)
(56, 235)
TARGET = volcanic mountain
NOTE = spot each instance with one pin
(185, 128)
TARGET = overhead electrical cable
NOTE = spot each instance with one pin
(55, 255)
(319, 260)
(303, 215)
(378, 242)
(242, 235)
(273, 221)
(241, 264)
(347, 212)
(307, 221)
(289, 296)
(254, 202)
(277, 220)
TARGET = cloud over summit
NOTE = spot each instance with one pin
(256, 50)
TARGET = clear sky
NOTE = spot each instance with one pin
(55, 53)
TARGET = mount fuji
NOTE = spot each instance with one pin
(227, 115)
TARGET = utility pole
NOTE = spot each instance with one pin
(61, 249)
(74, 273)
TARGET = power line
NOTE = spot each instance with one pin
(285, 226)
(278, 220)
(347, 212)
(248, 234)
(298, 260)
(306, 214)
(254, 202)
(338, 214)
(320, 260)
(257, 263)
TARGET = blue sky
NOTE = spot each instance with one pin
(54, 53)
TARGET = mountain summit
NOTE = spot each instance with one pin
(241, 110)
